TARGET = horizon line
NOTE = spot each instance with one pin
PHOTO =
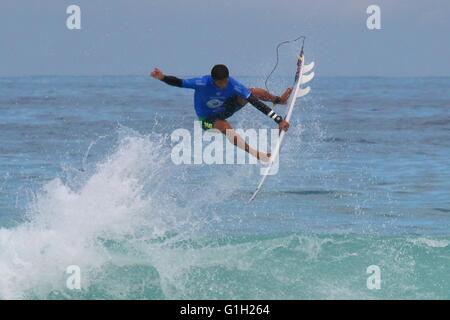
(234, 76)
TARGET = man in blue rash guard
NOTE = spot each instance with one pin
(218, 96)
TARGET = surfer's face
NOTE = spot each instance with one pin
(222, 84)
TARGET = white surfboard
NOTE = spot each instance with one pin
(302, 77)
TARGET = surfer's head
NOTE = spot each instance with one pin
(220, 74)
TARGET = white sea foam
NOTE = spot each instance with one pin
(69, 227)
(433, 243)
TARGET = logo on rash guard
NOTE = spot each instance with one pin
(214, 103)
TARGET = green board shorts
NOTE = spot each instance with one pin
(231, 105)
(207, 123)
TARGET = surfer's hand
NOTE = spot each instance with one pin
(283, 125)
(157, 74)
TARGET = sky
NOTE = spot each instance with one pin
(187, 37)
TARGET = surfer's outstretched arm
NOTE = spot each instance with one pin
(170, 80)
(284, 125)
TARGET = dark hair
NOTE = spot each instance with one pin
(220, 72)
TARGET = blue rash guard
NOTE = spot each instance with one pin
(209, 99)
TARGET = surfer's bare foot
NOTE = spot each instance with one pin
(265, 157)
(285, 96)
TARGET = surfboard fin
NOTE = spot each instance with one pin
(308, 67)
(303, 92)
(307, 77)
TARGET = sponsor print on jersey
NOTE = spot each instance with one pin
(200, 82)
(214, 103)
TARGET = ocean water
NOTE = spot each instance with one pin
(86, 179)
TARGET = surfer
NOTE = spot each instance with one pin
(218, 96)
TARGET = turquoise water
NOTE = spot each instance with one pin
(86, 179)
